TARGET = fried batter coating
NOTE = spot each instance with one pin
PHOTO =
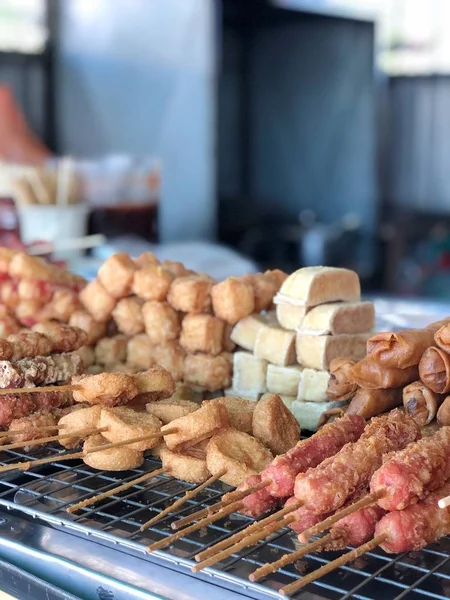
(108, 389)
(170, 356)
(28, 312)
(240, 412)
(239, 453)
(146, 259)
(168, 410)
(161, 321)
(31, 427)
(64, 338)
(128, 316)
(275, 425)
(116, 274)
(122, 458)
(32, 289)
(211, 373)
(140, 351)
(87, 355)
(8, 324)
(278, 276)
(154, 384)
(227, 343)
(195, 427)
(9, 294)
(61, 306)
(27, 344)
(152, 283)
(202, 333)
(191, 294)
(184, 467)
(233, 299)
(94, 329)
(123, 423)
(110, 351)
(78, 420)
(177, 269)
(97, 301)
(264, 289)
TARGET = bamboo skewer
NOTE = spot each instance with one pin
(187, 496)
(42, 388)
(52, 438)
(116, 490)
(13, 432)
(334, 564)
(444, 502)
(287, 559)
(237, 537)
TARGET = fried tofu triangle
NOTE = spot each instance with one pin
(237, 452)
(170, 409)
(195, 427)
(124, 423)
(114, 459)
(240, 412)
(183, 466)
(275, 425)
(108, 389)
(154, 384)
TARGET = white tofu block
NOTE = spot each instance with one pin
(309, 414)
(249, 373)
(290, 316)
(245, 331)
(275, 345)
(283, 380)
(253, 396)
(317, 351)
(287, 400)
(339, 317)
(313, 386)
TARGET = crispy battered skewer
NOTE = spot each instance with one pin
(12, 432)
(116, 490)
(334, 564)
(287, 559)
(187, 496)
(52, 438)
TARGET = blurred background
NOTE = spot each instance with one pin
(248, 133)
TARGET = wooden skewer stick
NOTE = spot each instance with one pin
(53, 438)
(13, 432)
(287, 559)
(232, 497)
(290, 589)
(187, 496)
(340, 514)
(237, 537)
(249, 540)
(42, 388)
(113, 491)
(444, 502)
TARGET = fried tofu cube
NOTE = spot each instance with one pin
(264, 289)
(278, 276)
(284, 380)
(161, 321)
(249, 373)
(170, 356)
(62, 305)
(116, 274)
(227, 343)
(208, 372)
(110, 351)
(191, 294)
(85, 321)
(97, 301)
(146, 259)
(275, 345)
(140, 351)
(233, 299)
(9, 294)
(202, 333)
(152, 283)
(244, 333)
(177, 269)
(128, 315)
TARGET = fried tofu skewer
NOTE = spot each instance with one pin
(52, 438)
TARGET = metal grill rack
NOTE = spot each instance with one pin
(45, 493)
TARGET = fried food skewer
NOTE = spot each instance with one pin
(13, 432)
(52, 438)
(42, 388)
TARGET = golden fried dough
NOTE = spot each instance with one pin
(161, 321)
(122, 458)
(146, 259)
(85, 321)
(78, 420)
(195, 427)
(108, 389)
(123, 423)
(240, 412)
(170, 355)
(275, 425)
(211, 373)
(177, 269)
(264, 289)
(227, 343)
(278, 276)
(111, 350)
(152, 283)
(191, 294)
(237, 452)
(183, 466)
(140, 351)
(154, 384)
(128, 316)
(116, 274)
(97, 301)
(202, 333)
(87, 355)
(233, 299)
(169, 410)
(121, 368)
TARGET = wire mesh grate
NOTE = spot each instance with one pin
(47, 492)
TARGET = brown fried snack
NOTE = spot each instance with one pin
(278, 276)
(128, 316)
(64, 338)
(140, 351)
(94, 329)
(264, 289)
(108, 389)
(170, 355)
(177, 269)
(61, 306)
(233, 299)
(161, 321)
(208, 372)
(202, 333)
(168, 410)
(275, 425)
(122, 458)
(184, 466)
(239, 453)
(87, 355)
(152, 283)
(191, 294)
(25, 344)
(116, 274)
(240, 412)
(227, 343)
(154, 384)
(78, 420)
(30, 428)
(110, 351)
(97, 301)
(123, 423)
(146, 259)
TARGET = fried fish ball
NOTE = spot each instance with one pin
(176, 268)
(146, 259)
(123, 424)
(161, 321)
(191, 294)
(110, 351)
(116, 274)
(156, 383)
(78, 420)
(87, 354)
(108, 389)
(122, 458)
(128, 316)
(168, 410)
(94, 329)
(208, 372)
(140, 351)
(97, 301)
(264, 289)
(275, 425)
(184, 467)
(152, 283)
(170, 355)
(233, 299)
(195, 427)
(239, 453)
(240, 412)
(227, 343)
(202, 333)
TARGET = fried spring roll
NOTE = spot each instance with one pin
(421, 403)
(443, 414)
(434, 370)
(442, 337)
(371, 375)
(341, 385)
(369, 403)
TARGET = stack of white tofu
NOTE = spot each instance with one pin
(319, 316)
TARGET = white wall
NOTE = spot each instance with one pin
(138, 76)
